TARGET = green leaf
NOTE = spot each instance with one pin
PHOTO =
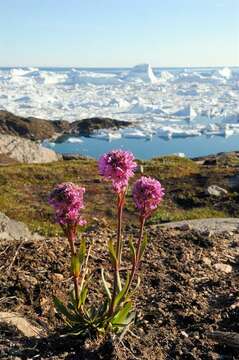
(112, 252)
(119, 281)
(93, 313)
(135, 289)
(62, 310)
(107, 290)
(143, 246)
(83, 295)
(75, 265)
(82, 251)
(121, 318)
(121, 294)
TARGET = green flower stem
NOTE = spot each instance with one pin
(121, 200)
(117, 285)
(85, 270)
(71, 235)
(142, 222)
(136, 259)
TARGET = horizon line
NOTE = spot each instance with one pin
(116, 67)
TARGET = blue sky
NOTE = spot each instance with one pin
(119, 32)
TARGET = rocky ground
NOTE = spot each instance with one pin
(188, 303)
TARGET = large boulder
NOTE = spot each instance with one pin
(12, 230)
(26, 151)
(214, 225)
(217, 191)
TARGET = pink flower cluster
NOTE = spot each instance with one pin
(67, 200)
(117, 166)
(147, 194)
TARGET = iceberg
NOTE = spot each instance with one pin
(225, 73)
(106, 135)
(177, 132)
(120, 104)
(142, 72)
(142, 108)
(137, 134)
(74, 140)
(141, 95)
(187, 112)
(165, 76)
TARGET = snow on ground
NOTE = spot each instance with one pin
(150, 98)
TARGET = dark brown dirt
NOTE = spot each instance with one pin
(182, 297)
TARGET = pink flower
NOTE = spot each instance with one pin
(67, 200)
(117, 166)
(147, 194)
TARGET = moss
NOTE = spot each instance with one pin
(24, 191)
(178, 215)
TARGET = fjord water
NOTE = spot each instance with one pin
(147, 149)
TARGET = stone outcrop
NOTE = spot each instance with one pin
(88, 126)
(215, 225)
(12, 230)
(41, 129)
(30, 128)
(26, 151)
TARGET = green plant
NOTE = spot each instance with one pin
(116, 312)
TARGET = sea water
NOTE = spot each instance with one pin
(147, 149)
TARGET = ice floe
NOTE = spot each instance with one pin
(166, 102)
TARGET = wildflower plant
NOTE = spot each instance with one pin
(116, 312)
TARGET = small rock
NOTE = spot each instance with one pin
(213, 356)
(19, 322)
(206, 260)
(185, 227)
(184, 334)
(215, 190)
(235, 305)
(57, 277)
(223, 267)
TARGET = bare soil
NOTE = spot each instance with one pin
(182, 298)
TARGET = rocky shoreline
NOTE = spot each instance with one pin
(20, 137)
(40, 129)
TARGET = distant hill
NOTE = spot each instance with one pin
(40, 129)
